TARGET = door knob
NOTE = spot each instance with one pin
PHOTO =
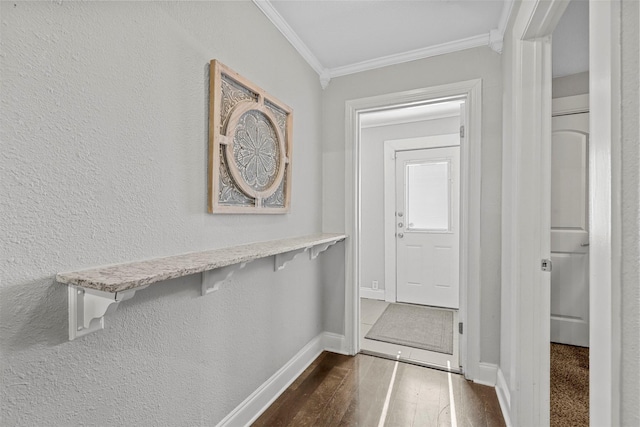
(400, 224)
(400, 214)
(400, 235)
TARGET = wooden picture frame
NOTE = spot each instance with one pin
(250, 144)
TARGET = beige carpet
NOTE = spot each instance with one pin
(415, 326)
(569, 386)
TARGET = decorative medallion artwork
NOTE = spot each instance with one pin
(249, 146)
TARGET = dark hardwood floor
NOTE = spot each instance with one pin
(337, 390)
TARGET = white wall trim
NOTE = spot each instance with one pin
(258, 401)
(403, 120)
(372, 293)
(412, 55)
(487, 374)
(527, 223)
(470, 223)
(504, 397)
(390, 148)
(604, 212)
(496, 40)
(570, 105)
(507, 7)
(334, 343)
(274, 16)
(496, 36)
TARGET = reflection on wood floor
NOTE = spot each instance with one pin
(337, 390)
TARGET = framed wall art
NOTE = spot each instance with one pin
(250, 142)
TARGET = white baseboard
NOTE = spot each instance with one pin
(504, 397)
(372, 293)
(334, 343)
(486, 374)
(254, 405)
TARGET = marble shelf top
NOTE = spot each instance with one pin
(120, 277)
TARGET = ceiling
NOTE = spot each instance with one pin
(343, 37)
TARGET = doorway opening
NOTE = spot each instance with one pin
(411, 248)
(569, 305)
(526, 322)
(373, 283)
(569, 247)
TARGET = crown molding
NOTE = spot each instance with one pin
(270, 12)
(507, 8)
(496, 36)
(494, 40)
(412, 55)
(325, 78)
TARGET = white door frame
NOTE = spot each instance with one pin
(604, 212)
(527, 210)
(528, 205)
(390, 148)
(470, 204)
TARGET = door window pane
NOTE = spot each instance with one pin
(427, 196)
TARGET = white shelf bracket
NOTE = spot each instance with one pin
(213, 279)
(87, 308)
(281, 260)
(318, 249)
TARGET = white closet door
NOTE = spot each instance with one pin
(569, 230)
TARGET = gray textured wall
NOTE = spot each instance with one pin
(630, 192)
(459, 66)
(104, 160)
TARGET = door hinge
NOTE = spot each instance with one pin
(462, 131)
(460, 328)
(546, 265)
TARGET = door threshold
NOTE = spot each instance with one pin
(436, 307)
(412, 362)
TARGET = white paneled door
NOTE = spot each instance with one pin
(569, 230)
(427, 226)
